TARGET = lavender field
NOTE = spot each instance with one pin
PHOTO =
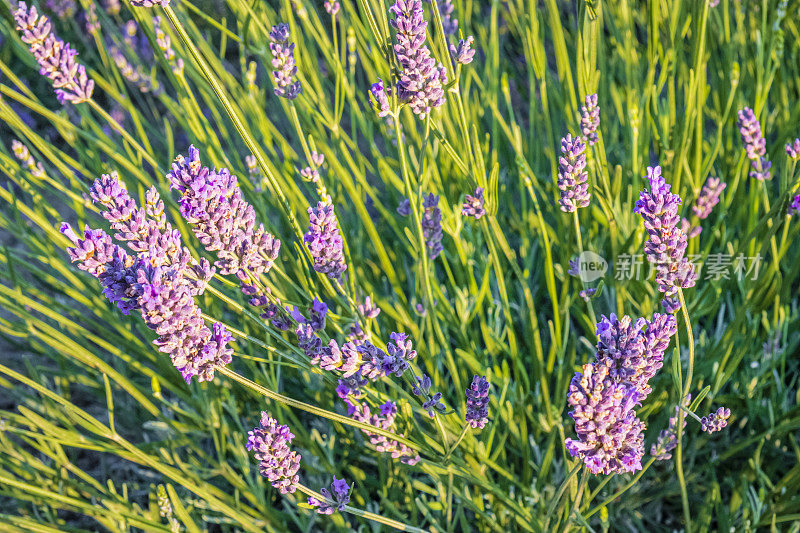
(420, 265)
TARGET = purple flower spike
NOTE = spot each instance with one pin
(55, 57)
(463, 53)
(610, 436)
(211, 202)
(324, 241)
(473, 205)
(754, 143)
(572, 175)
(332, 8)
(432, 225)
(368, 309)
(335, 499)
(590, 119)
(666, 245)
(277, 461)
(149, 3)
(477, 402)
(716, 421)
(283, 63)
(421, 79)
(708, 198)
(404, 208)
(793, 149)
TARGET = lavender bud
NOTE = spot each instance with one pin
(380, 96)
(324, 241)
(283, 63)
(477, 402)
(793, 149)
(149, 3)
(795, 206)
(335, 499)
(590, 119)
(473, 205)
(668, 438)
(716, 421)
(572, 176)
(361, 412)
(463, 53)
(277, 461)
(404, 208)
(332, 8)
(708, 198)
(432, 225)
(754, 144)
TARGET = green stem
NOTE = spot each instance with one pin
(620, 492)
(686, 388)
(560, 493)
(457, 442)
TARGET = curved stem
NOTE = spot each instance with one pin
(686, 388)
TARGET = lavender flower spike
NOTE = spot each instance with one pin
(149, 3)
(572, 175)
(473, 205)
(795, 206)
(668, 438)
(335, 499)
(55, 57)
(421, 79)
(432, 225)
(590, 119)
(477, 402)
(708, 198)
(716, 421)
(793, 149)
(666, 245)
(277, 461)
(283, 63)
(362, 413)
(754, 144)
(610, 436)
(324, 241)
(381, 94)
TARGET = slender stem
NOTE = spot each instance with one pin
(457, 442)
(686, 388)
(400, 526)
(580, 252)
(693, 415)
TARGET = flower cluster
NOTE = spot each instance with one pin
(421, 79)
(324, 241)
(754, 143)
(212, 203)
(666, 245)
(335, 499)
(473, 205)
(449, 24)
(332, 8)
(610, 436)
(793, 149)
(477, 402)
(794, 207)
(385, 420)
(463, 53)
(708, 198)
(165, 45)
(572, 175)
(380, 95)
(277, 461)
(55, 57)
(433, 402)
(590, 119)
(432, 225)
(716, 421)
(283, 64)
(404, 207)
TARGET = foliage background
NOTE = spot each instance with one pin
(94, 418)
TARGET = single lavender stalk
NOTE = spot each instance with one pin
(433, 402)
(335, 499)
(666, 245)
(55, 57)
(463, 53)
(135, 75)
(708, 198)
(404, 208)
(449, 23)
(793, 149)
(149, 3)
(283, 63)
(92, 22)
(754, 144)
(590, 119)
(572, 175)
(668, 438)
(432, 225)
(421, 79)
(332, 7)
(716, 421)
(477, 403)
(277, 461)
(610, 436)
(795, 206)
(473, 205)
(388, 411)
(324, 241)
